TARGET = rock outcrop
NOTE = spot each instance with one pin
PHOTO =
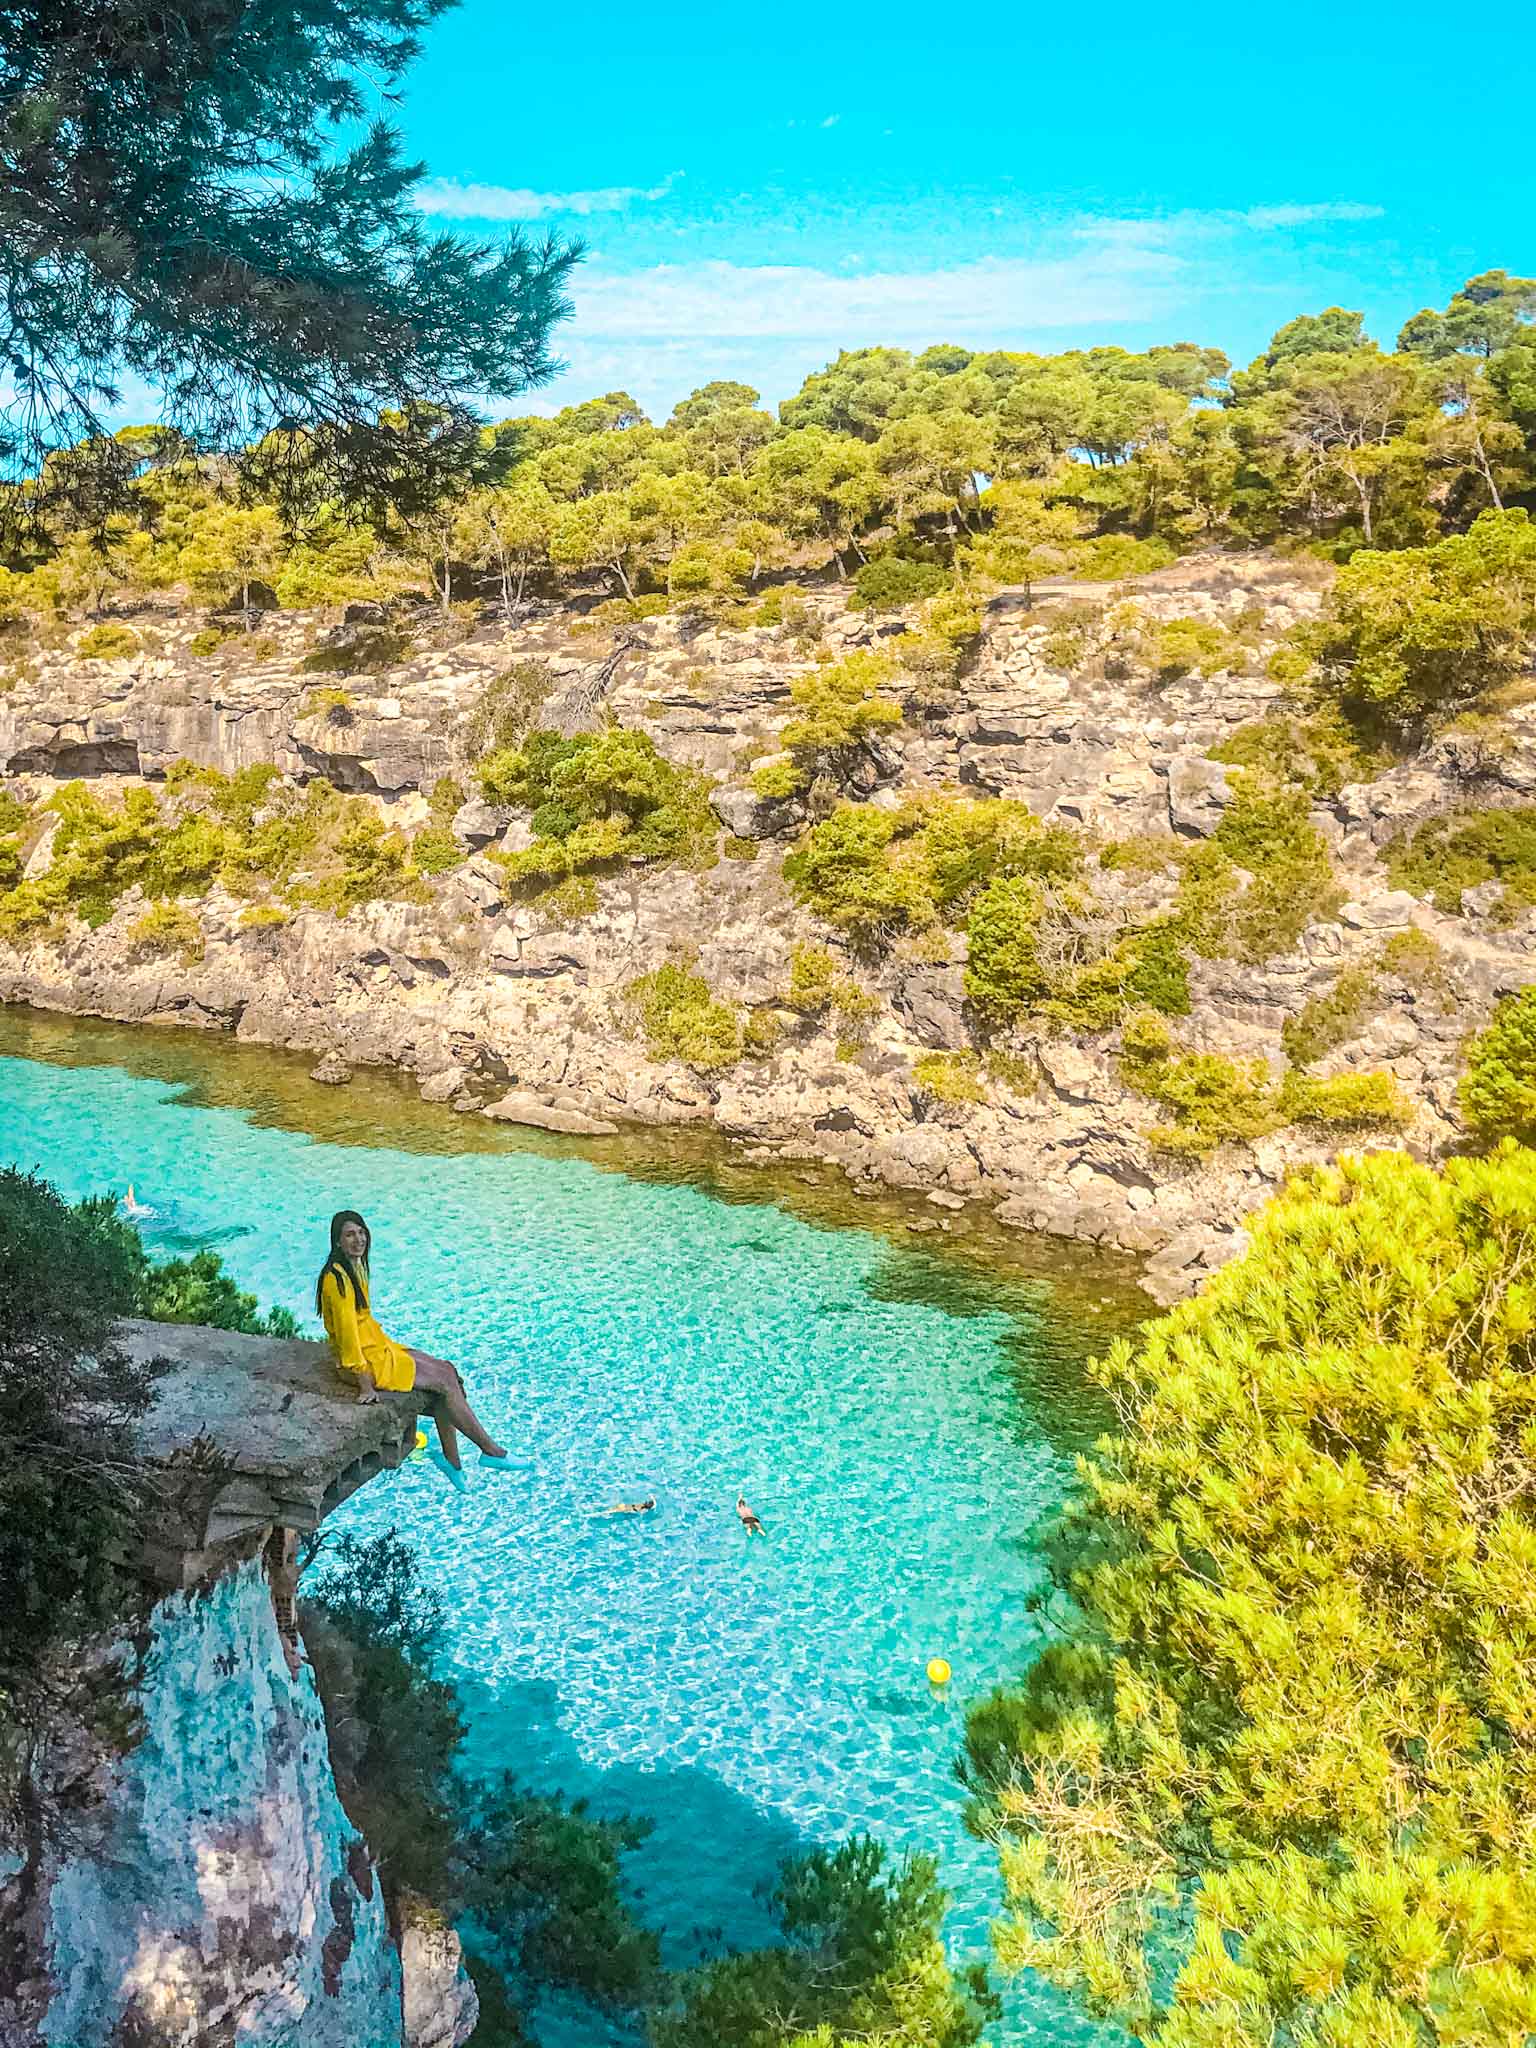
(521, 1010)
(209, 1885)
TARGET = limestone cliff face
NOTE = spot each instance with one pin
(216, 1890)
(497, 1003)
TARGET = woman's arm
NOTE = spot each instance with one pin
(342, 1327)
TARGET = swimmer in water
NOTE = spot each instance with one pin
(749, 1521)
(133, 1208)
(631, 1507)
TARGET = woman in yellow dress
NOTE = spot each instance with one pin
(382, 1365)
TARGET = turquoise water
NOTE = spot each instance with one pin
(630, 1337)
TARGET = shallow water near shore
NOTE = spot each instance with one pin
(640, 1317)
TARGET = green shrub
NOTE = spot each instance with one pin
(13, 812)
(1211, 1100)
(734, 848)
(107, 643)
(447, 799)
(1418, 960)
(1159, 973)
(818, 985)
(1446, 856)
(1214, 1100)
(73, 1493)
(873, 873)
(1345, 1101)
(539, 1878)
(777, 779)
(849, 870)
(198, 1290)
(1329, 1020)
(1414, 632)
(1497, 1091)
(954, 616)
(1274, 1787)
(887, 583)
(208, 641)
(861, 1963)
(364, 652)
(435, 851)
(335, 706)
(544, 1877)
(950, 1077)
(1113, 557)
(508, 708)
(371, 1627)
(247, 831)
(1004, 976)
(761, 1035)
(1071, 629)
(1267, 835)
(597, 799)
(1318, 754)
(813, 977)
(681, 1020)
(168, 928)
(1181, 647)
(838, 707)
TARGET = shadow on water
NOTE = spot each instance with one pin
(702, 1877)
(1051, 1332)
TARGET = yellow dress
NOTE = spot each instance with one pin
(358, 1342)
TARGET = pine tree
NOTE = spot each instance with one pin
(176, 205)
(1279, 1787)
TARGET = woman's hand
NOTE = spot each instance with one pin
(366, 1390)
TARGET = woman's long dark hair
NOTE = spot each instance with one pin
(338, 1262)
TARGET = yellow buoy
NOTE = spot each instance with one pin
(938, 1671)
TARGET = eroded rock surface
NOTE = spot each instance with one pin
(495, 1001)
(214, 1889)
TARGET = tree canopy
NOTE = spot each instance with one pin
(188, 197)
(946, 466)
(1280, 1787)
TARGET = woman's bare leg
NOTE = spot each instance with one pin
(447, 1435)
(452, 1407)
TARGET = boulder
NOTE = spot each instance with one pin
(1198, 794)
(1393, 911)
(332, 1072)
(438, 2005)
(477, 824)
(443, 1086)
(932, 1002)
(523, 1107)
(751, 816)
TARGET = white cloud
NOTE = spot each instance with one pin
(662, 330)
(451, 200)
(1111, 279)
(1306, 216)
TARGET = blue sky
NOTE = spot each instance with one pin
(760, 188)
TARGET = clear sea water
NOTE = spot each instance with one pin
(899, 1409)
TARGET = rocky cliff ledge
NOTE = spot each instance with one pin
(518, 1008)
(209, 1885)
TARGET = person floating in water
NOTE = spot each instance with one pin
(135, 1210)
(631, 1507)
(382, 1365)
(749, 1521)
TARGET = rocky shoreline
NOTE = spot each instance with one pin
(509, 1009)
